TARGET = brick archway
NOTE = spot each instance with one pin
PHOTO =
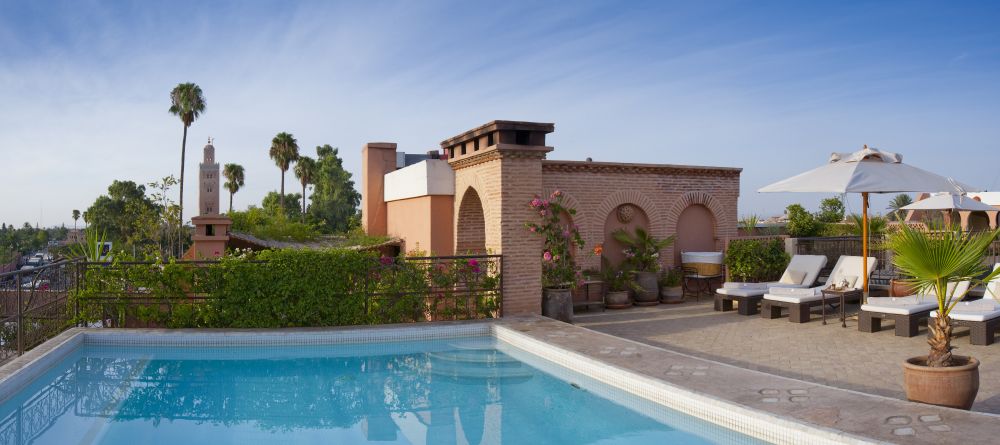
(470, 224)
(696, 198)
(637, 199)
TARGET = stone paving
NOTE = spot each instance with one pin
(829, 355)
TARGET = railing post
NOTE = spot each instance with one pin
(76, 298)
(500, 310)
(20, 318)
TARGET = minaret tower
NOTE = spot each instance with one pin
(211, 229)
(208, 196)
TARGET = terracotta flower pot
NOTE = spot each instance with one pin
(954, 386)
(617, 300)
(900, 288)
(558, 304)
(650, 293)
(672, 295)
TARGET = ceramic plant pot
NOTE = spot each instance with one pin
(558, 304)
(672, 295)
(649, 294)
(617, 300)
(954, 386)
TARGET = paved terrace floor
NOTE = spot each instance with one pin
(829, 355)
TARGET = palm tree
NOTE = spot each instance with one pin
(187, 103)
(935, 259)
(305, 170)
(76, 216)
(284, 151)
(898, 202)
(234, 180)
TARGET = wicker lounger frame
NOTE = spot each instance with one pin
(980, 332)
(907, 325)
(748, 305)
(800, 312)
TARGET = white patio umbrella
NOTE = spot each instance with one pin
(866, 171)
(950, 201)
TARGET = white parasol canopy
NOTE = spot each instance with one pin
(865, 171)
(868, 170)
(950, 201)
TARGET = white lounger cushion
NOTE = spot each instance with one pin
(810, 264)
(979, 310)
(902, 305)
(846, 266)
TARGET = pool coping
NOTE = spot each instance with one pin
(765, 406)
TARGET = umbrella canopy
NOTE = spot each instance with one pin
(868, 170)
(865, 171)
(950, 201)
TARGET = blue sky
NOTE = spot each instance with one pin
(772, 87)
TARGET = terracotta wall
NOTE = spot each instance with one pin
(377, 159)
(424, 223)
(596, 189)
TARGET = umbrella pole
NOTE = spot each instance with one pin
(864, 244)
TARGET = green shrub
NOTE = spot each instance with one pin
(755, 261)
(801, 223)
(272, 225)
(288, 288)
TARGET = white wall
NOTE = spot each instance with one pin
(430, 177)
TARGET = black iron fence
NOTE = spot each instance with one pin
(33, 302)
(885, 270)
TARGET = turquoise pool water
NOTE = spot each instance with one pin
(455, 391)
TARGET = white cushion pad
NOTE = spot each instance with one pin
(794, 298)
(901, 306)
(741, 292)
(970, 316)
(742, 285)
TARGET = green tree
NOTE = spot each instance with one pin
(234, 181)
(186, 102)
(831, 210)
(898, 202)
(122, 212)
(284, 151)
(272, 203)
(76, 216)
(800, 222)
(305, 171)
(334, 199)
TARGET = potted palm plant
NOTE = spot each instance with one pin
(671, 291)
(642, 256)
(932, 260)
(618, 282)
(562, 240)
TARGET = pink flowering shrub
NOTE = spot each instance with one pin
(559, 269)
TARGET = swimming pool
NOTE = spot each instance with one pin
(468, 389)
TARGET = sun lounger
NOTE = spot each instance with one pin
(982, 317)
(802, 272)
(799, 302)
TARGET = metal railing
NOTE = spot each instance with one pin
(885, 270)
(34, 305)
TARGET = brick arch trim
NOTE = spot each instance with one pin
(630, 197)
(571, 202)
(696, 198)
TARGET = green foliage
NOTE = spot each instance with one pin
(670, 277)
(755, 260)
(235, 180)
(561, 241)
(284, 151)
(877, 224)
(272, 203)
(898, 202)
(187, 102)
(272, 225)
(749, 224)
(642, 250)
(118, 212)
(334, 201)
(91, 247)
(288, 288)
(831, 210)
(801, 223)
(618, 279)
(931, 260)
(305, 171)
